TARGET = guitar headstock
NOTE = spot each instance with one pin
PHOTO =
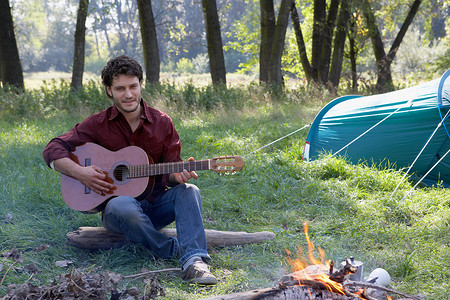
(227, 164)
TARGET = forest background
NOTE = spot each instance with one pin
(349, 208)
(415, 32)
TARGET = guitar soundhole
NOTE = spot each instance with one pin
(121, 173)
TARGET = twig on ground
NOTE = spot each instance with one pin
(4, 276)
(382, 288)
(153, 272)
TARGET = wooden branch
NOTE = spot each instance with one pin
(176, 270)
(100, 238)
(381, 288)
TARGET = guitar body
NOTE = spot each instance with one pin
(79, 197)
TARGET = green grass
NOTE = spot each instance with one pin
(349, 208)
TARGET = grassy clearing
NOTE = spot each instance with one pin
(348, 207)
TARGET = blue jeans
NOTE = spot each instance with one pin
(140, 221)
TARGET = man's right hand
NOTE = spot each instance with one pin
(92, 177)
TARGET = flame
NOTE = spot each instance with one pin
(302, 270)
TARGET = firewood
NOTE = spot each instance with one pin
(100, 238)
(277, 293)
(339, 276)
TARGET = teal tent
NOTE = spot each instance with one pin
(407, 128)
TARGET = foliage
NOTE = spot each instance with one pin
(201, 63)
(185, 65)
(52, 98)
(349, 207)
(243, 37)
(416, 56)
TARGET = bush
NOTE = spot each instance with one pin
(184, 66)
(201, 63)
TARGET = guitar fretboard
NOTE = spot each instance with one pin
(167, 168)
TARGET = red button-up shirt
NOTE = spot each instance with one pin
(156, 135)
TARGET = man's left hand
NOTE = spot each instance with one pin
(186, 175)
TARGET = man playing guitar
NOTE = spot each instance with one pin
(130, 122)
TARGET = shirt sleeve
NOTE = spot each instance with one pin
(61, 146)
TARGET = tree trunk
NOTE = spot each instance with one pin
(267, 34)
(401, 34)
(383, 68)
(275, 75)
(339, 43)
(11, 67)
(353, 62)
(149, 41)
(214, 39)
(325, 55)
(1, 80)
(79, 45)
(122, 44)
(301, 43)
(384, 80)
(317, 36)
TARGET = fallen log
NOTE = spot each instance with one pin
(100, 238)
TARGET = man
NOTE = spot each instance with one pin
(129, 121)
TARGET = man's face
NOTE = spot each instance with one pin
(125, 92)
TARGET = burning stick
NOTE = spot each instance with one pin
(339, 276)
(291, 280)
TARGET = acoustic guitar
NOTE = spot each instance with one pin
(131, 171)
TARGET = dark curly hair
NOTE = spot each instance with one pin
(120, 65)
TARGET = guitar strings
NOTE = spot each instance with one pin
(173, 166)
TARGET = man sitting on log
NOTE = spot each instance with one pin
(129, 121)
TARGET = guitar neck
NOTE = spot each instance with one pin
(138, 171)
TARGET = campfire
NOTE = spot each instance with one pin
(309, 271)
(313, 278)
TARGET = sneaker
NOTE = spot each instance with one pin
(198, 272)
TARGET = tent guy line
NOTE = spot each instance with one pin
(277, 140)
(418, 155)
(365, 132)
(423, 177)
